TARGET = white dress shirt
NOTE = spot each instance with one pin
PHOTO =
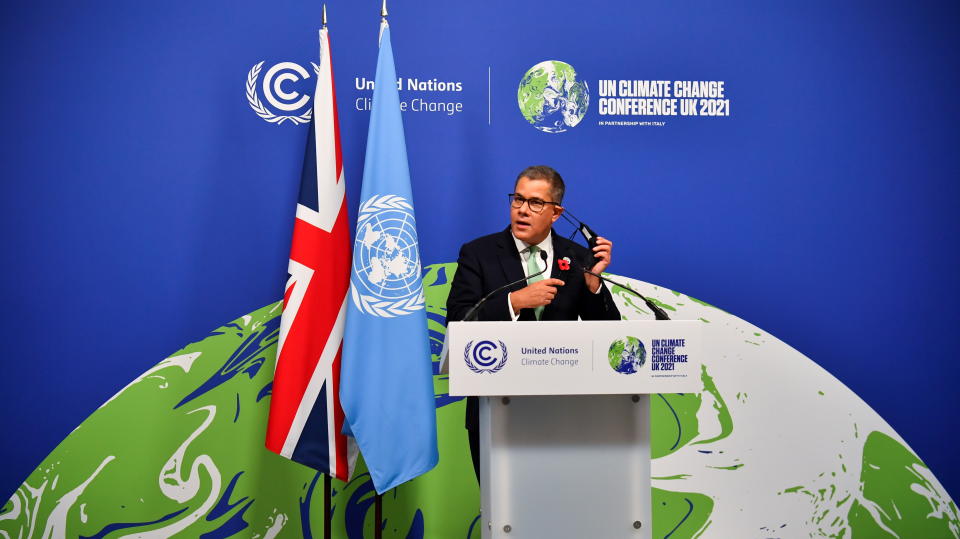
(546, 246)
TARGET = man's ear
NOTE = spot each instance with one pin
(557, 210)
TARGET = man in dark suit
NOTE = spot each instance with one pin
(563, 293)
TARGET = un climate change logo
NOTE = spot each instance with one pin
(627, 355)
(386, 272)
(485, 356)
(282, 100)
(550, 97)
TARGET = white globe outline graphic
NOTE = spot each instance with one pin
(398, 225)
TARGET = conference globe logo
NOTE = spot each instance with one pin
(627, 355)
(386, 271)
(485, 356)
(551, 98)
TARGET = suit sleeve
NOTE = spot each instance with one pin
(598, 306)
(469, 286)
(592, 306)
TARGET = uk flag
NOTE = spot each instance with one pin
(306, 419)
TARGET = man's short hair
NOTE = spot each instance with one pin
(543, 172)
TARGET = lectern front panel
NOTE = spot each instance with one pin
(575, 466)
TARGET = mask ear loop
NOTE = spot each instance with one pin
(576, 228)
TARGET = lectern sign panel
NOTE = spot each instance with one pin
(585, 357)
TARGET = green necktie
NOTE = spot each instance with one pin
(533, 266)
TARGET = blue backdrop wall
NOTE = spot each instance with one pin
(146, 202)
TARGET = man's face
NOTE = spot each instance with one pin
(530, 227)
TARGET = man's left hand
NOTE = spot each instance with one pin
(603, 250)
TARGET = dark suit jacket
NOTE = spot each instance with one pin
(492, 261)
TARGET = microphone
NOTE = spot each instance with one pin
(472, 313)
(658, 313)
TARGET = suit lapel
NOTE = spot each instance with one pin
(510, 263)
(509, 258)
(564, 275)
(560, 253)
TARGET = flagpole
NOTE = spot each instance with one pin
(327, 481)
(378, 517)
(327, 513)
(378, 499)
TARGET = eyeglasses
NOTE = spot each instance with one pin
(535, 204)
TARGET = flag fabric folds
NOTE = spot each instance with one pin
(306, 419)
(387, 374)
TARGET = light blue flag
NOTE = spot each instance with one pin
(387, 375)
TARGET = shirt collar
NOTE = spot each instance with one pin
(546, 245)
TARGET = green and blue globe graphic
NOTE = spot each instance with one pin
(179, 451)
(627, 355)
(551, 98)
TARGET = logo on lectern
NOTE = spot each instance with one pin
(627, 355)
(485, 356)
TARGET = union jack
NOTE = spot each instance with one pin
(306, 420)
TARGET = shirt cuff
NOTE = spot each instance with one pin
(599, 288)
(513, 315)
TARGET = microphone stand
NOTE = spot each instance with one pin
(658, 313)
(591, 238)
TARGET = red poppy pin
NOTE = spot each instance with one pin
(564, 263)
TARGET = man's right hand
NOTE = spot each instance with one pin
(538, 294)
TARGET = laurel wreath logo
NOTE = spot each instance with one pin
(263, 111)
(383, 202)
(470, 364)
(374, 305)
(385, 308)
